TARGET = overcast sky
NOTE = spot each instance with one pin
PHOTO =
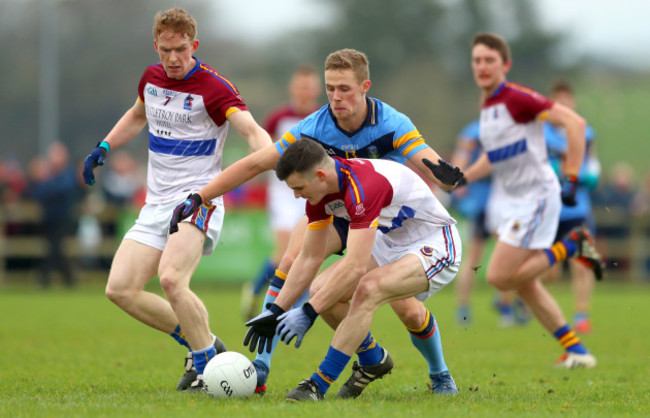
(619, 30)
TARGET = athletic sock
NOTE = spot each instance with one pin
(201, 357)
(271, 294)
(263, 276)
(370, 352)
(569, 340)
(560, 251)
(330, 369)
(178, 335)
(427, 340)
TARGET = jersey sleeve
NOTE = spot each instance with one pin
(365, 198)
(525, 104)
(317, 217)
(222, 97)
(407, 139)
(290, 137)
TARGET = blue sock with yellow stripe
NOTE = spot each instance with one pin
(427, 340)
(201, 357)
(560, 251)
(369, 351)
(178, 335)
(263, 277)
(569, 340)
(330, 369)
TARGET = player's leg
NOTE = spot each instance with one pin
(466, 276)
(262, 361)
(582, 283)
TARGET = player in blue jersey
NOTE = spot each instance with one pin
(352, 125)
(579, 215)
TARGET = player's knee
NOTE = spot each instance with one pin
(118, 295)
(170, 286)
(499, 281)
(366, 293)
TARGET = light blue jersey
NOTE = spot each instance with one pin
(556, 143)
(386, 133)
(473, 203)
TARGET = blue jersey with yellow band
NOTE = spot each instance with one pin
(556, 143)
(386, 133)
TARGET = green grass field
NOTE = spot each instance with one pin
(75, 354)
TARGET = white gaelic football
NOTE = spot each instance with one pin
(230, 375)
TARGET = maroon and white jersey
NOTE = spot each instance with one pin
(512, 135)
(382, 194)
(187, 129)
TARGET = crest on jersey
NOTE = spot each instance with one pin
(373, 152)
(516, 226)
(187, 104)
(426, 251)
(359, 209)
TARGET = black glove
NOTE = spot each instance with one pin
(445, 172)
(569, 189)
(185, 209)
(95, 158)
(262, 329)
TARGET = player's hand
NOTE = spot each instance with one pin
(185, 209)
(262, 329)
(569, 189)
(446, 173)
(296, 323)
(95, 158)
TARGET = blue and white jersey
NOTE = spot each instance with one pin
(475, 200)
(556, 143)
(386, 133)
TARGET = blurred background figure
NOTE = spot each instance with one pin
(123, 184)
(284, 210)
(582, 277)
(54, 186)
(470, 202)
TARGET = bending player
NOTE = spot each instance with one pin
(416, 249)
(511, 133)
(352, 125)
(188, 107)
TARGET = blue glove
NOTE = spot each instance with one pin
(262, 329)
(569, 189)
(296, 323)
(185, 209)
(446, 173)
(94, 159)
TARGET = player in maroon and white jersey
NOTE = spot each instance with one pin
(526, 196)
(402, 243)
(188, 107)
(283, 210)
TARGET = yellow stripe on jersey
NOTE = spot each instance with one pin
(320, 224)
(353, 183)
(231, 110)
(141, 101)
(289, 138)
(414, 136)
(520, 88)
(225, 80)
(543, 115)
(375, 223)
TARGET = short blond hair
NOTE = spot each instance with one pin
(352, 59)
(175, 20)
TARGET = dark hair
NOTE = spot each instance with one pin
(561, 86)
(300, 157)
(493, 41)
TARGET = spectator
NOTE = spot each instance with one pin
(55, 188)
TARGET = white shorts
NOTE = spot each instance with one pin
(439, 254)
(284, 209)
(531, 224)
(152, 226)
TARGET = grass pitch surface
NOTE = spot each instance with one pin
(73, 353)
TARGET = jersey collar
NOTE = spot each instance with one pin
(371, 118)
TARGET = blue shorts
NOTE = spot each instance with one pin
(342, 227)
(479, 228)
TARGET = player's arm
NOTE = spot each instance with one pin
(304, 268)
(129, 125)
(480, 169)
(348, 272)
(240, 172)
(574, 125)
(245, 124)
(463, 152)
(430, 155)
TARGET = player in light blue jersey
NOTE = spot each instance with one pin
(570, 217)
(351, 125)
